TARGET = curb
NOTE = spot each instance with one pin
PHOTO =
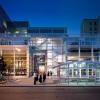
(47, 86)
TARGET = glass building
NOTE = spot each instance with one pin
(47, 48)
(82, 65)
(36, 51)
(72, 60)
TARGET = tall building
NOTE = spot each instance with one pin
(90, 27)
(4, 20)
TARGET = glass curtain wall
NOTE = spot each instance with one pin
(80, 73)
(83, 49)
(54, 52)
(15, 58)
(82, 65)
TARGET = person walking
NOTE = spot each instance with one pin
(48, 73)
(35, 77)
(40, 78)
(44, 77)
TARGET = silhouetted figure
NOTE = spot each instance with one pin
(34, 80)
(44, 77)
(40, 78)
(2, 67)
(48, 73)
(35, 77)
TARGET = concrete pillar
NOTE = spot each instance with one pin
(99, 56)
(58, 72)
(27, 61)
(72, 72)
(68, 76)
(14, 61)
(0, 52)
(88, 72)
(79, 52)
(80, 73)
(92, 54)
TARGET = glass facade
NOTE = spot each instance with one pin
(82, 73)
(72, 60)
(15, 58)
(51, 48)
(82, 65)
(14, 50)
(47, 50)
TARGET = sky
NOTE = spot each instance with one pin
(52, 13)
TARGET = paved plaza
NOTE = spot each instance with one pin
(50, 81)
(27, 82)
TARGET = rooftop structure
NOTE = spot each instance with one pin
(90, 27)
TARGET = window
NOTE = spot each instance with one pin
(83, 72)
(45, 30)
(90, 23)
(95, 23)
(58, 30)
(90, 29)
(70, 72)
(90, 71)
(75, 72)
(95, 29)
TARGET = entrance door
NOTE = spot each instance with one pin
(39, 62)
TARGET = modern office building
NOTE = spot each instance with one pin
(72, 60)
(90, 27)
(4, 22)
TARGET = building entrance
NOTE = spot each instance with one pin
(39, 61)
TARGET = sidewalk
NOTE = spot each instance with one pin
(50, 81)
(28, 82)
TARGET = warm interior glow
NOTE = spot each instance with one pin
(41, 69)
(18, 49)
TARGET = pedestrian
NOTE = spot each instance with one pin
(35, 78)
(44, 77)
(40, 78)
(48, 73)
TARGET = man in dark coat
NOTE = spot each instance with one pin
(40, 78)
(44, 77)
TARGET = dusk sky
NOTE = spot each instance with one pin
(64, 13)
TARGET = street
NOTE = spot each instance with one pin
(49, 93)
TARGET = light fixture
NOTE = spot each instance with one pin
(18, 49)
